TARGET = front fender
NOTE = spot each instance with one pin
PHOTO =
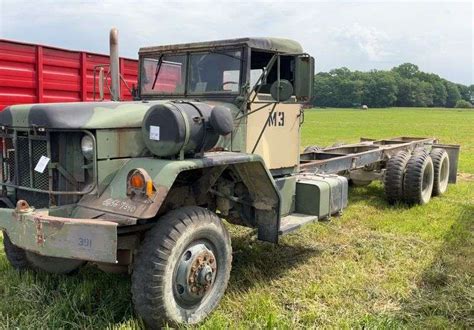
(163, 172)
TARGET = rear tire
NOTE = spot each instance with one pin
(418, 180)
(394, 173)
(309, 149)
(441, 171)
(182, 268)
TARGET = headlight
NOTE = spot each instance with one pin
(87, 147)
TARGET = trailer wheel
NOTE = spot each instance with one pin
(441, 171)
(393, 179)
(182, 269)
(418, 180)
(312, 149)
(15, 255)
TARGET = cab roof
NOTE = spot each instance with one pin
(280, 45)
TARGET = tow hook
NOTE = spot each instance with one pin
(22, 206)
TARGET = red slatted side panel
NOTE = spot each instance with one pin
(61, 76)
(35, 73)
(17, 74)
(128, 70)
(93, 61)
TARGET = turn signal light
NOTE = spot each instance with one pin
(137, 181)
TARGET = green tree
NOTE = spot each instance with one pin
(453, 94)
(465, 92)
(406, 70)
(406, 92)
(440, 94)
(380, 89)
(463, 104)
(424, 92)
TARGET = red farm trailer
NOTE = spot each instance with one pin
(31, 73)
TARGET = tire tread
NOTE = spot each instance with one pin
(147, 282)
(393, 180)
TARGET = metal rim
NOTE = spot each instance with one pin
(427, 181)
(444, 174)
(195, 273)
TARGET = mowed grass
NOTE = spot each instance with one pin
(375, 266)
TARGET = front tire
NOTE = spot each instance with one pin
(21, 260)
(182, 269)
(53, 265)
(15, 255)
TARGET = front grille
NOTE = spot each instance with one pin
(40, 180)
(22, 149)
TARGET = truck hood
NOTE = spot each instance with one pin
(81, 115)
(85, 115)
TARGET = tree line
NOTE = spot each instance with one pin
(404, 86)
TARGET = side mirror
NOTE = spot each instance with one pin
(304, 77)
(281, 90)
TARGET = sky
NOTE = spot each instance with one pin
(360, 35)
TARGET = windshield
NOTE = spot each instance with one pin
(214, 72)
(164, 75)
(210, 72)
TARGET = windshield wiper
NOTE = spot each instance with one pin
(157, 71)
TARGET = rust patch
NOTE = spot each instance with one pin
(56, 224)
(39, 231)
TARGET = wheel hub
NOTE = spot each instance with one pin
(195, 274)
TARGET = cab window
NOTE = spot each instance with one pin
(164, 74)
(212, 72)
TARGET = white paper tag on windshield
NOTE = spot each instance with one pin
(42, 163)
(155, 133)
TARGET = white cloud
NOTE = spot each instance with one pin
(368, 40)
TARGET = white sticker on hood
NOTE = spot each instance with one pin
(42, 163)
(155, 133)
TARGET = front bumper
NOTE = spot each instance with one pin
(36, 231)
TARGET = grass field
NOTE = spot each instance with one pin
(376, 266)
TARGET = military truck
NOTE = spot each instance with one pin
(214, 133)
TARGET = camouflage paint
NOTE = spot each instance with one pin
(163, 172)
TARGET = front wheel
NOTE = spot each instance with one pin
(182, 268)
(21, 259)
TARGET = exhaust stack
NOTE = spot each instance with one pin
(114, 65)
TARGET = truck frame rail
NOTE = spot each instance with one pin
(367, 152)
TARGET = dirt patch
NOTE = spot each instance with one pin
(466, 177)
